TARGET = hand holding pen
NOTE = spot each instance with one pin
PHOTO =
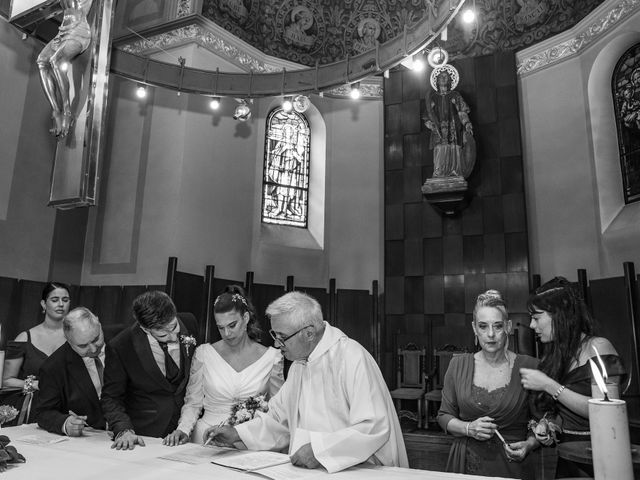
(74, 424)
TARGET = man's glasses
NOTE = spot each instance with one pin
(278, 339)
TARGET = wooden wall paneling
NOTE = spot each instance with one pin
(431, 223)
(414, 85)
(472, 223)
(129, 293)
(88, 297)
(493, 214)
(413, 294)
(473, 254)
(505, 68)
(208, 324)
(394, 258)
(411, 122)
(494, 253)
(172, 267)
(516, 252)
(433, 256)
(526, 337)
(507, 103)
(486, 110)
(321, 295)
(515, 216)
(414, 147)
(488, 143)
(393, 153)
(434, 294)
(496, 281)
(394, 295)
(413, 261)
(485, 71)
(394, 222)
(8, 312)
(393, 187)
(392, 90)
(452, 249)
(263, 295)
(189, 294)
(510, 143)
(490, 171)
(393, 119)
(474, 285)
(511, 174)
(451, 226)
(412, 184)
(517, 291)
(108, 308)
(413, 220)
(467, 70)
(453, 293)
(460, 336)
(355, 314)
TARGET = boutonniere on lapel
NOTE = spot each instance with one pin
(188, 341)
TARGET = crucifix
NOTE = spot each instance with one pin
(74, 73)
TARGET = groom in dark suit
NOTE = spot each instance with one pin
(146, 372)
(71, 378)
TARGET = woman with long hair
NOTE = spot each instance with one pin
(562, 382)
(229, 370)
(32, 347)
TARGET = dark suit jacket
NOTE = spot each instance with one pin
(136, 395)
(65, 385)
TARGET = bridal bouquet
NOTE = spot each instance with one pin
(8, 453)
(245, 410)
(545, 431)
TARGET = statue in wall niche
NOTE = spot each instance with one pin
(54, 61)
(451, 133)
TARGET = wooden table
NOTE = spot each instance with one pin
(52, 456)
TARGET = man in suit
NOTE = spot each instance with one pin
(71, 378)
(146, 372)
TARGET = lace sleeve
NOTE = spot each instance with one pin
(194, 398)
(276, 377)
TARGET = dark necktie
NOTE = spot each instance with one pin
(171, 369)
(100, 369)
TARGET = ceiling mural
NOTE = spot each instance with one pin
(324, 31)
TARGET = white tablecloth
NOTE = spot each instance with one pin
(90, 457)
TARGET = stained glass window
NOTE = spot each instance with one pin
(285, 182)
(625, 84)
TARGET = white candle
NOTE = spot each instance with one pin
(610, 442)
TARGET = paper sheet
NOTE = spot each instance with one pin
(195, 455)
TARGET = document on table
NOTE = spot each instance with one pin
(288, 471)
(195, 455)
(42, 438)
(250, 461)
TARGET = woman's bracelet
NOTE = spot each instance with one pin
(558, 392)
(467, 428)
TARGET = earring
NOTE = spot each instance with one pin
(475, 340)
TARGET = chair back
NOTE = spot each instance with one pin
(442, 358)
(411, 367)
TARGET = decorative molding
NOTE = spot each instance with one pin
(570, 43)
(221, 43)
(184, 8)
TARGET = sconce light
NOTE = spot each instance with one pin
(468, 16)
(287, 104)
(355, 91)
(214, 104)
(141, 91)
(419, 63)
(301, 103)
(242, 112)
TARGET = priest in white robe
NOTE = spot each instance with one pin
(334, 410)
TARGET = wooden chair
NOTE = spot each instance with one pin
(435, 381)
(411, 381)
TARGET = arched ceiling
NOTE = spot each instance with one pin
(309, 31)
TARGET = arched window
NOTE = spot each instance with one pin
(285, 181)
(625, 84)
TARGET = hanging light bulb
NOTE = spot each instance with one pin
(287, 104)
(419, 63)
(242, 112)
(469, 15)
(214, 104)
(355, 91)
(437, 57)
(141, 91)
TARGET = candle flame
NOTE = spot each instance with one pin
(598, 377)
(604, 370)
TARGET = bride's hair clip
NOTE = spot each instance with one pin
(235, 297)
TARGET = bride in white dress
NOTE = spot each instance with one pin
(228, 371)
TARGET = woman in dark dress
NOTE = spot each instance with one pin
(482, 395)
(562, 383)
(32, 347)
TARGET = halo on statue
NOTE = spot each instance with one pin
(451, 70)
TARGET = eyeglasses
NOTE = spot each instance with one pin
(280, 340)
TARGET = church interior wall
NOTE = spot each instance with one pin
(577, 217)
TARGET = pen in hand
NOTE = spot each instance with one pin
(83, 417)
